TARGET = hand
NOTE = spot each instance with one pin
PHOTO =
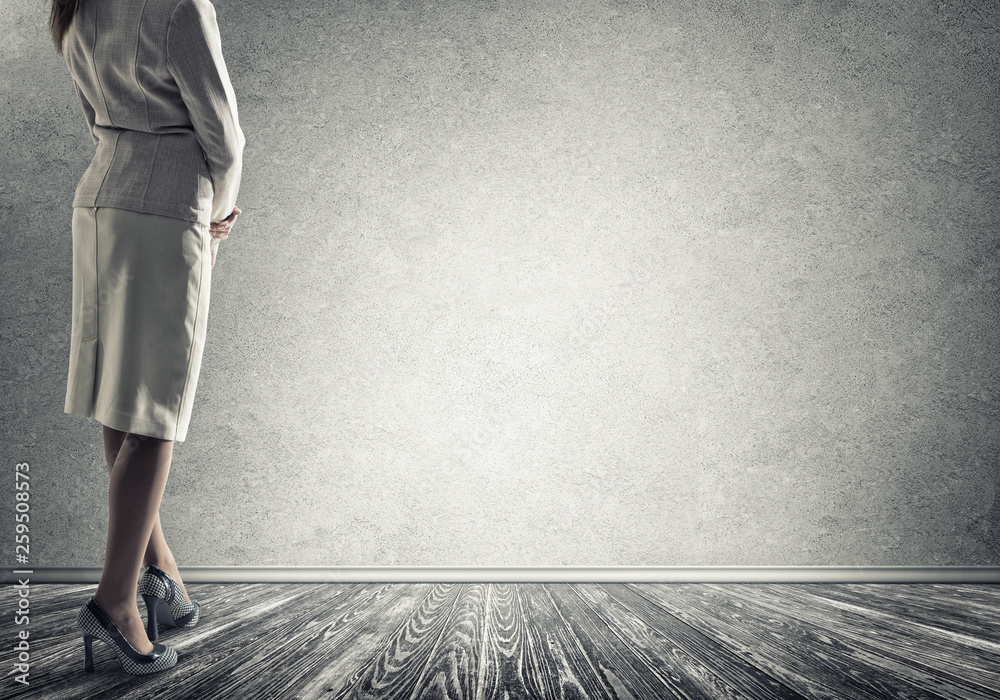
(222, 228)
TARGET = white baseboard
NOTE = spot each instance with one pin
(536, 574)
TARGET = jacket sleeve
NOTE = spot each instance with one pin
(88, 112)
(194, 59)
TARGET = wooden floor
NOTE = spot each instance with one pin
(571, 641)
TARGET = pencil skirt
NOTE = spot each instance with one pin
(141, 286)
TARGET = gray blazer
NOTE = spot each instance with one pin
(157, 97)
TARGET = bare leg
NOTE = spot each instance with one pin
(138, 478)
(157, 551)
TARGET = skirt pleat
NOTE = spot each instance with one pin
(141, 286)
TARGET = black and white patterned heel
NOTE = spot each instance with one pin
(94, 622)
(165, 603)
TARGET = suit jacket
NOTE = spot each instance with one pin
(158, 101)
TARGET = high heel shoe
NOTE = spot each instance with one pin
(165, 603)
(94, 622)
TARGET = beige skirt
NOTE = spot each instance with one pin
(141, 286)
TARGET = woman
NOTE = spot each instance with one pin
(148, 215)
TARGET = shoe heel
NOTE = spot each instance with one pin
(88, 653)
(154, 604)
(172, 608)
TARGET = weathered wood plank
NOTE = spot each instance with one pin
(357, 644)
(924, 656)
(665, 643)
(394, 670)
(951, 607)
(286, 655)
(515, 661)
(576, 677)
(628, 674)
(452, 669)
(809, 660)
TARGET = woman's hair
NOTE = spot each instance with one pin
(60, 19)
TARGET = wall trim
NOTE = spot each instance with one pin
(535, 574)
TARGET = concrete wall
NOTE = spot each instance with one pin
(580, 283)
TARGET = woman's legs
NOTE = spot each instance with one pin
(138, 477)
(157, 551)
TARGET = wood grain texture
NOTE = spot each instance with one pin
(479, 641)
(947, 663)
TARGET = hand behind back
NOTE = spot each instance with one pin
(221, 229)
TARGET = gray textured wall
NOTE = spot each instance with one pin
(598, 283)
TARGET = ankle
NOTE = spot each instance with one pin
(161, 562)
(118, 610)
